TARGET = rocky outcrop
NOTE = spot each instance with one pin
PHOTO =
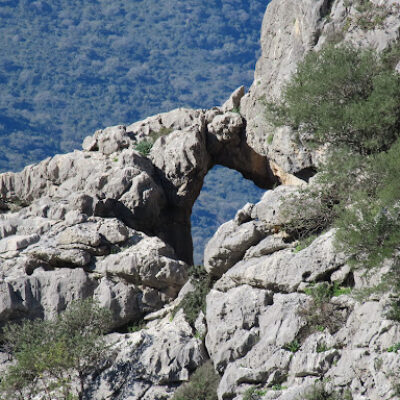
(258, 313)
(155, 195)
(290, 29)
(110, 223)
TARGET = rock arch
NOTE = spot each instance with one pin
(155, 194)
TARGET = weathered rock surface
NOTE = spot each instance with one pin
(258, 334)
(149, 364)
(290, 29)
(109, 223)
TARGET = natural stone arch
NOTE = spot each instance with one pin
(183, 158)
(224, 192)
(153, 194)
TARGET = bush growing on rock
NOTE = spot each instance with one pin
(144, 147)
(349, 99)
(320, 313)
(319, 392)
(195, 301)
(254, 393)
(55, 358)
(203, 385)
(344, 96)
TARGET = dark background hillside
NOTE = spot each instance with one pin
(68, 68)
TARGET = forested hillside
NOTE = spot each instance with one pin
(69, 68)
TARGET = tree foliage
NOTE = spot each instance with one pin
(203, 385)
(54, 358)
(349, 99)
(344, 96)
(195, 301)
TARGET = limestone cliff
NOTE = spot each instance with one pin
(111, 223)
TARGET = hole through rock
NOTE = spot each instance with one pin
(224, 192)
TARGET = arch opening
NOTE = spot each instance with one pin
(224, 192)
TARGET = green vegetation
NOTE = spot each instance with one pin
(318, 392)
(145, 146)
(349, 99)
(278, 387)
(304, 243)
(345, 96)
(394, 349)
(55, 358)
(394, 312)
(138, 326)
(293, 346)
(322, 347)
(320, 313)
(254, 393)
(203, 385)
(236, 110)
(323, 292)
(195, 301)
(370, 15)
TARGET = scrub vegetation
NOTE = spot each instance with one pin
(54, 359)
(356, 113)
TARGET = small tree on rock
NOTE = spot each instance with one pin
(53, 359)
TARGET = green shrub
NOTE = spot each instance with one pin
(322, 347)
(394, 349)
(370, 15)
(55, 358)
(304, 243)
(394, 311)
(320, 313)
(195, 301)
(293, 346)
(203, 385)
(145, 146)
(349, 98)
(254, 393)
(278, 387)
(369, 226)
(344, 96)
(236, 110)
(138, 326)
(318, 392)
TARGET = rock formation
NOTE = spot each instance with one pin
(111, 223)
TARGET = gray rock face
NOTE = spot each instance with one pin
(133, 281)
(150, 363)
(107, 222)
(290, 29)
(258, 333)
